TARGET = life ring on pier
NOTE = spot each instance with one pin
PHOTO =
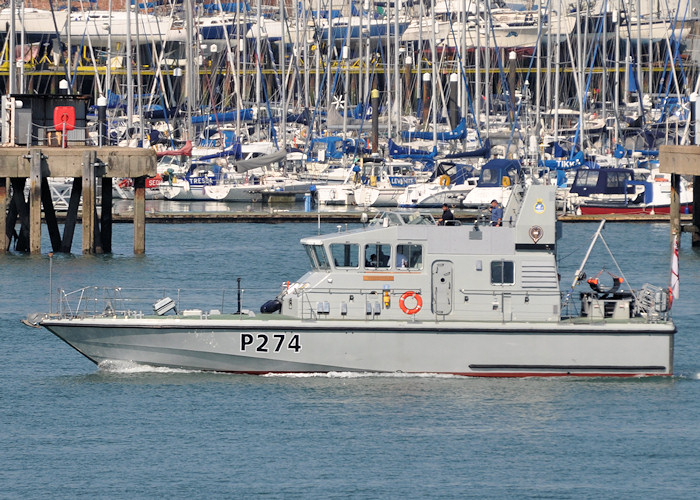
(444, 180)
(418, 299)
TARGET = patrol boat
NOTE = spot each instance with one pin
(402, 294)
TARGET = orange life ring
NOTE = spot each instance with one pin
(416, 308)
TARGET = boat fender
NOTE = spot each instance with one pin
(418, 299)
(444, 180)
(271, 306)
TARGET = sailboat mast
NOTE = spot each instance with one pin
(108, 68)
(397, 80)
(258, 68)
(10, 56)
(191, 64)
(433, 90)
(283, 55)
(129, 69)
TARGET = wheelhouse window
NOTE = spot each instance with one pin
(502, 272)
(409, 257)
(377, 256)
(317, 256)
(345, 254)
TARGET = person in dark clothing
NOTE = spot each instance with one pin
(447, 215)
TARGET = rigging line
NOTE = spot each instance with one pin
(614, 260)
(676, 53)
(58, 35)
(590, 61)
(526, 79)
(623, 9)
(501, 71)
(459, 58)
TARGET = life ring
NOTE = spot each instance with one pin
(303, 133)
(595, 285)
(124, 183)
(416, 308)
(444, 180)
(505, 181)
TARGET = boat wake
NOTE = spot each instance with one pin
(129, 367)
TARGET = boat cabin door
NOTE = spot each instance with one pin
(442, 287)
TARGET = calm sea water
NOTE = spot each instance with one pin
(72, 430)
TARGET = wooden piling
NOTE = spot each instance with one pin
(106, 215)
(35, 202)
(139, 215)
(4, 189)
(88, 202)
(696, 212)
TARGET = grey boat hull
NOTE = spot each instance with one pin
(281, 345)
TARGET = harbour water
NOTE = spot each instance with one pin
(73, 430)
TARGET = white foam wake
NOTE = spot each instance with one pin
(128, 367)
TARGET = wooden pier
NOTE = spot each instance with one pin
(677, 161)
(85, 165)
